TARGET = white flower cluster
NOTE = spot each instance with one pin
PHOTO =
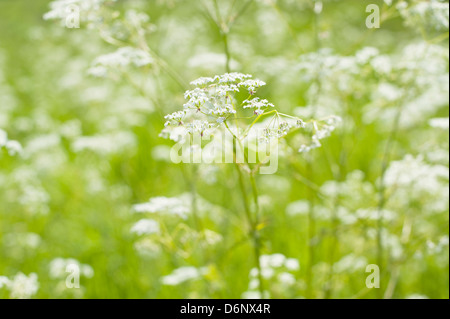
(215, 94)
(87, 9)
(432, 14)
(415, 174)
(276, 268)
(11, 146)
(20, 286)
(165, 205)
(258, 105)
(440, 122)
(60, 267)
(277, 131)
(145, 227)
(211, 103)
(183, 274)
(118, 60)
(321, 130)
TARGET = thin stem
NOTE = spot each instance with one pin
(227, 51)
(253, 221)
(257, 237)
(382, 191)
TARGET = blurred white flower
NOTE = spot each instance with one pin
(286, 278)
(183, 274)
(440, 122)
(11, 146)
(169, 205)
(21, 286)
(121, 58)
(145, 227)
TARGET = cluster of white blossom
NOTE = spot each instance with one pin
(88, 10)
(119, 60)
(11, 146)
(432, 14)
(20, 286)
(257, 104)
(145, 227)
(165, 205)
(211, 103)
(419, 177)
(440, 122)
(321, 129)
(278, 271)
(183, 274)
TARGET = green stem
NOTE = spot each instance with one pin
(382, 192)
(227, 51)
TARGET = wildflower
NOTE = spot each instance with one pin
(21, 286)
(292, 264)
(230, 78)
(121, 58)
(59, 9)
(286, 278)
(257, 104)
(145, 227)
(440, 122)
(175, 118)
(252, 85)
(183, 274)
(174, 205)
(203, 81)
(12, 147)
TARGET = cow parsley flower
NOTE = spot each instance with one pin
(21, 286)
(278, 269)
(230, 78)
(145, 227)
(440, 122)
(165, 205)
(12, 147)
(121, 58)
(252, 85)
(175, 118)
(210, 104)
(88, 9)
(257, 104)
(183, 274)
(322, 129)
